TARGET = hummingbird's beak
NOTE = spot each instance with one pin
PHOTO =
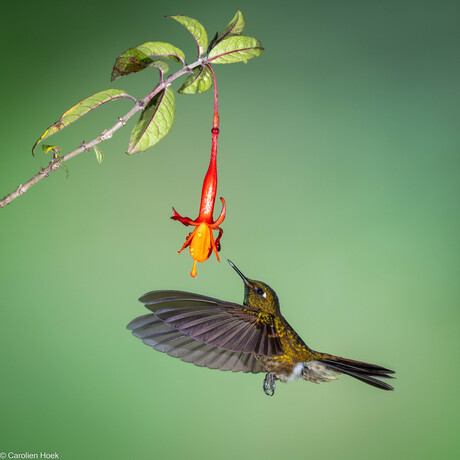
(245, 280)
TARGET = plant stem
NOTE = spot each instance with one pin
(215, 121)
(106, 134)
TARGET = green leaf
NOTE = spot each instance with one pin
(199, 82)
(196, 29)
(134, 60)
(235, 49)
(53, 148)
(130, 61)
(213, 42)
(139, 58)
(65, 169)
(162, 49)
(162, 66)
(154, 123)
(235, 27)
(99, 154)
(81, 109)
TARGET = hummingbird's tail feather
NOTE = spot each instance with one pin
(367, 373)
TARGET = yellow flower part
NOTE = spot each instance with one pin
(200, 245)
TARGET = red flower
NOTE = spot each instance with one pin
(201, 240)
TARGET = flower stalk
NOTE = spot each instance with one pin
(201, 241)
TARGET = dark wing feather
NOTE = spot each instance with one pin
(224, 325)
(162, 295)
(155, 333)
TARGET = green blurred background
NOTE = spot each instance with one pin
(339, 161)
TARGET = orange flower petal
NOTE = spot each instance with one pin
(187, 241)
(200, 244)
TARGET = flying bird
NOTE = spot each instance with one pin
(253, 337)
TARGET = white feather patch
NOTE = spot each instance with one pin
(296, 373)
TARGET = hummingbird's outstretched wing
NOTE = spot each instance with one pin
(206, 331)
(155, 333)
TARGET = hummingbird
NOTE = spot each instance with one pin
(253, 337)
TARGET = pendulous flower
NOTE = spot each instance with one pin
(201, 241)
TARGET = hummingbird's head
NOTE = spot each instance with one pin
(258, 295)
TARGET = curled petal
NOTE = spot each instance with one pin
(183, 220)
(218, 238)
(214, 247)
(221, 217)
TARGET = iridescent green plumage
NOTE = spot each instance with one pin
(253, 337)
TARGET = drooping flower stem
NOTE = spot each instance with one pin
(201, 241)
(215, 122)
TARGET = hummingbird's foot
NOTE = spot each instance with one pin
(269, 384)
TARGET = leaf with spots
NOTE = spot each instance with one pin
(134, 60)
(155, 122)
(199, 82)
(196, 29)
(235, 49)
(82, 108)
(130, 61)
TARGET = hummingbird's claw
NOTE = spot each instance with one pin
(269, 384)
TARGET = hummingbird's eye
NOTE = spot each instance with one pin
(260, 291)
